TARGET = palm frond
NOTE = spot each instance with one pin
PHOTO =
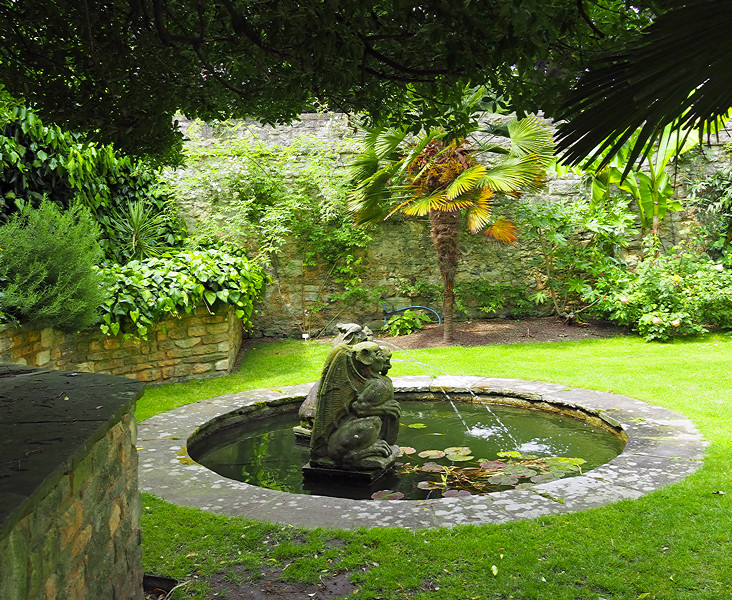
(387, 141)
(419, 207)
(478, 217)
(531, 136)
(465, 181)
(459, 203)
(678, 73)
(513, 174)
(503, 231)
(362, 167)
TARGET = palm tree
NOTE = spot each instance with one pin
(441, 175)
(678, 73)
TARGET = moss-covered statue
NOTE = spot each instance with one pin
(349, 334)
(356, 417)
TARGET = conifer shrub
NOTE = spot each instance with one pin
(47, 268)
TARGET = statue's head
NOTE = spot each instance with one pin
(353, 333)
(376, 358)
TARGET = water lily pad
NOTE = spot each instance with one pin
(510, 454)
(459, 457)
(428, 485)
(493, 465)
(431, 454)
(456, 493)
(460, 450)
(387, 495)
(432, 467)
(417, 426)
(545, 477)
(524, 486)
(503, 479)
(407, 450)
(519, 471)
(564, 464)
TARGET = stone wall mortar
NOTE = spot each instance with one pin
(82, 539)
(195, 345)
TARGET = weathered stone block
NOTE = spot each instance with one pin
(196, 330)
(188, 342)
(110, 343)
(47, 337)
(222, 365)
(200, 368)
(43, 357)
(220, 327)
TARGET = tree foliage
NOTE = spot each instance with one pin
(123, 69)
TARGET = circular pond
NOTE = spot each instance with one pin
(663, 447)
(448, 448)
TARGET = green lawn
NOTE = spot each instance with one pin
(673, 544)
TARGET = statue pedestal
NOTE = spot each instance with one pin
(343, 476)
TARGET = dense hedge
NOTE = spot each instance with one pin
(48, 276)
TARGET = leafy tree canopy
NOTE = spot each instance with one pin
(121, 70)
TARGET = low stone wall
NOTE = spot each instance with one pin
(198, 344)
(69, 497)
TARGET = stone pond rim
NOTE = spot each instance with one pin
(663, 447)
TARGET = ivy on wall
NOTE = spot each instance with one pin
(146, 292)
(264, 196)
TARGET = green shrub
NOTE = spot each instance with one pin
(405, 323)
(680, 293)
(39, 161)
(491, 297)
(149, 291)
(575, 243)
(47, 273)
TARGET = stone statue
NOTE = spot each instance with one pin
(356, 418)
(349, 334)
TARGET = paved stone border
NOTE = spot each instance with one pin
(663, 447)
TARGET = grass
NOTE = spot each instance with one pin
(673, 544)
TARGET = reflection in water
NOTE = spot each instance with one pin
(264, 452)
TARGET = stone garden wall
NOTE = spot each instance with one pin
(401, 254)
(69, 497)
(195, 345)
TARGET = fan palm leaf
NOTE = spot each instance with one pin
(503, 231)
(466, 181)
(419, 207)
(678, 73)
(478, 215)
(513, 174)
(531, 136)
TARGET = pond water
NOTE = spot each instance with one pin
(466, 448)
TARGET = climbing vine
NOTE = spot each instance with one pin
(267, 196)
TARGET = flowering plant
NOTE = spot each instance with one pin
(682, 292)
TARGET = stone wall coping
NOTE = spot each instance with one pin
(663, 447)
(49, 421)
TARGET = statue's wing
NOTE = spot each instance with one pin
(335, 394)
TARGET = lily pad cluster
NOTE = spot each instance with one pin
(512, 470)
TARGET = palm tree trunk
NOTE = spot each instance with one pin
(444, 232)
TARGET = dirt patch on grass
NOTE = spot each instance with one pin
(271, 587)
(504, 331)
